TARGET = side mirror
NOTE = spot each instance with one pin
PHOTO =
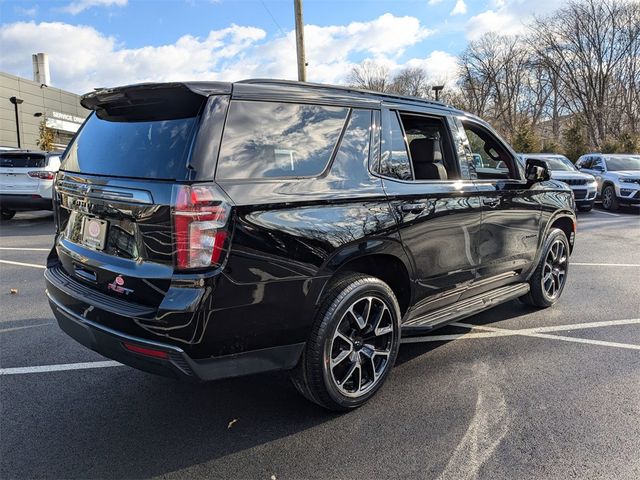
(597, 168)
(536, 170)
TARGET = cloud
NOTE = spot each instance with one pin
(508, 17)
(83, 58)
(78, 6)
(460, 8)
(27, 12)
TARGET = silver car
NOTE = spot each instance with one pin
(584, 185)
(618, 177)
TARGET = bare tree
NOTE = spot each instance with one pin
(370, 75)
(411, 81)
(590, 47)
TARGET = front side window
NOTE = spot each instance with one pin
(597, 164)
(491, 158)
(271, 140)
(394, 162)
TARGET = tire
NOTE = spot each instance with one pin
(353, 343)
(609, 198)
(585, 208)
(7, 214)
(548, 281)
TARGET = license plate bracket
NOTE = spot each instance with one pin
(94, 232)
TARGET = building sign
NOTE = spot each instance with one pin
(67, 117)
(64, 122)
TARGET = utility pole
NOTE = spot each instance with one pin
(302, 62)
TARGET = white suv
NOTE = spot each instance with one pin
(584, 186)
(26, 180)
(618, 177)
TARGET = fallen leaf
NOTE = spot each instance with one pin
(13, 291)
(231, 423)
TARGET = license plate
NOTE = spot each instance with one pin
(94, 232)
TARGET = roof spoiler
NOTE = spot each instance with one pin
(147, 101)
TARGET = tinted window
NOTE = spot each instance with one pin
(145, 149)
(266, 139)
(354, 146)
(492, 160)
(395, 159)
(22, 160)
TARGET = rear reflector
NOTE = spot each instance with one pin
(148, 352)
(199, 222)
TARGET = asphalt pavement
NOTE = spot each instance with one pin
(512, 393)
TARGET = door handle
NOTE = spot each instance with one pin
(413, 207)
(491, 203)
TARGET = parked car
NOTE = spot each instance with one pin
(209, 230)
(584, 185)
(26, 180)
(618, 177)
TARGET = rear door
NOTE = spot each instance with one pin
(511, 211)
(116, 190)
(437, 208)
(14, 172)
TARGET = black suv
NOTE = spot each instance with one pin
(209, 230)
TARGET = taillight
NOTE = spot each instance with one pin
(42, 175)
(200, 218)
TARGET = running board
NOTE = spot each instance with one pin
(462, 309)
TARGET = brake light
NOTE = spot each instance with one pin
(199, 218)
(42, 175)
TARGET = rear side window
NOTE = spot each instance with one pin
(268, 139)
(395, 159)
(145, 149)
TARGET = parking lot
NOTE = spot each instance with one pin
(511, 393)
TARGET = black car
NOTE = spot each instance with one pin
(209, 230)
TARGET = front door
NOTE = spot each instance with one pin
(511, 211)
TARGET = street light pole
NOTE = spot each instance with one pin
(302, 63)
(17, 101)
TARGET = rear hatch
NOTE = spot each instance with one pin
(119, 187)
(14, 172)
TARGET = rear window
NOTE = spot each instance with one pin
(145, 149)
(268, 139)
(22, 160)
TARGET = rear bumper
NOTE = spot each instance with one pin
(25, 202)
(177, 364)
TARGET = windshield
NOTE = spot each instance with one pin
(144, 149)
(623, 162)
(559, 162)
(554, 162)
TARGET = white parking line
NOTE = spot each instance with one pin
(26, 249)
(12, 329)
(536, 332)
(21, 264)
(493, 332)
(58, 368)
(582, 264)
(606, 213)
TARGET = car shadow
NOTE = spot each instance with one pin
(118, 422)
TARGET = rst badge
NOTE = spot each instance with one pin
(118, 286)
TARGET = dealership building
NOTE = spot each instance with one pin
(25, 104)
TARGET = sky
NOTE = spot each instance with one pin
(102, 43)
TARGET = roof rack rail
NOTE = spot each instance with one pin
(342, 88)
